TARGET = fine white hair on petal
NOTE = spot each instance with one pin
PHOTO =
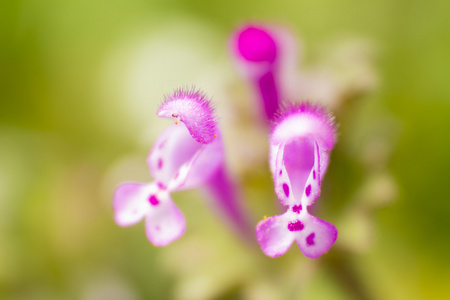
(300, 142)
(304, 120)
(182, 157)
(194, 109)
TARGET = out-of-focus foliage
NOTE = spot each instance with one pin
(80, 82)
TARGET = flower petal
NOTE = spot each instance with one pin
(164, 223)
(273, 236)
(297, 172)
(194, 109)
(305, 121)
(202, 165)
(173, 149)
(281, 179)
(317, 237)
(129, 203)
(311, 189)
(301, 141)
(180, 162)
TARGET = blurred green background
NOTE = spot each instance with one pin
(80, 82)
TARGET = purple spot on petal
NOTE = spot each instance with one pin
(297, 208)
(286, 189)
(281, 172)
(308, 190)
(153, 200)
(160, 163)
(310, 239)
(161, 145)
(295, 226)
(176, 175)
(314, 174)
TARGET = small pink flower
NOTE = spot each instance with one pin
(300, 145)
(185, 155)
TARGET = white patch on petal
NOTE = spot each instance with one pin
(273, 236)
(164, 223)
(130, 202)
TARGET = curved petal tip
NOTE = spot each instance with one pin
(304, 119)
(194, 109)
(271, 235)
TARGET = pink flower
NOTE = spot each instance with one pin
(300, 145)
(185, 155)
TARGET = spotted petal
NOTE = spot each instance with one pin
(297, 172)
(202, 166)
(129, 202)
(301, 122)
(185, 155)
(164, 222)
(301, 141)
(273, 236)
(317, 237)
(182, 163)
(313, 236)
(300, 144)
(173, 149)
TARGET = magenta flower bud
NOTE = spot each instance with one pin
(256, 45)
(300, 145)
(258, 51)
(186, 155)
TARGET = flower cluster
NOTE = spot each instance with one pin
(190, 154)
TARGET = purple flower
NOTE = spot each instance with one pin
(300, 144)
(183, 157)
